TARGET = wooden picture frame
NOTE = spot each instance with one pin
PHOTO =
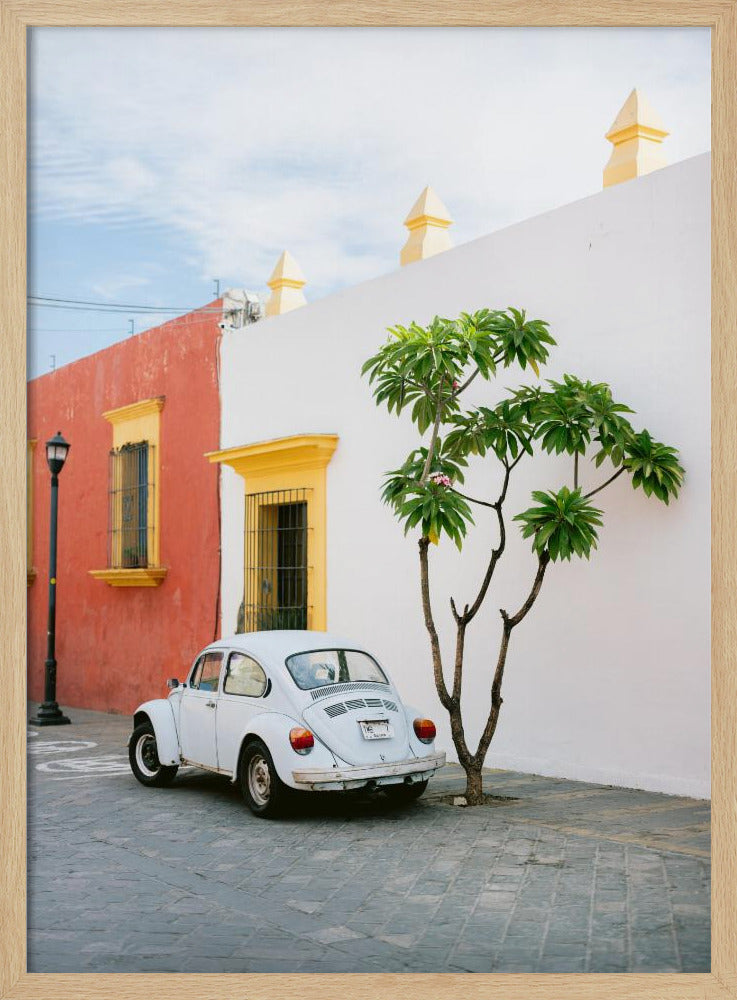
(16, 16)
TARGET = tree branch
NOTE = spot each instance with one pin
(542, 564)
(437, 662)
(575, 470)
(462, 388)
(458, 666)
(434, 436)
(495, 553)
(421, 386)
(515, 463)
(606, 483)
(508, 623)
(481, 503)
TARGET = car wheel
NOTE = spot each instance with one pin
(144, 758)
(406, 793)
(264, 792)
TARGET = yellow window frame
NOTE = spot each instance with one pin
(139, 421)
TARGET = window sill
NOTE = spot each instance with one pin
(31, 575)
(152, 576)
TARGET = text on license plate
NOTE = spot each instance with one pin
(376, 730)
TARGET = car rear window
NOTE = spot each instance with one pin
(333, 666)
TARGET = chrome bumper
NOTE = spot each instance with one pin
(355, 777)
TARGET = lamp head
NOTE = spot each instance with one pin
(57, 450)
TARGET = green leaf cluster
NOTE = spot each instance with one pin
(503, 429)
(654, 467)
(436, 509)
(425, 367)
(563, 523)
(522, 340)
(400, 480)
(572, 414)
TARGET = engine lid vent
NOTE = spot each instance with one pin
(330, 689)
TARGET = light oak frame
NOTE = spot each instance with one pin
(16, 16)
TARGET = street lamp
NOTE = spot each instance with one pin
(49, 714)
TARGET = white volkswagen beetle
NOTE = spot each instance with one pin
(286, 710)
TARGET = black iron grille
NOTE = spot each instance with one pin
(276, 585)
(131, 495)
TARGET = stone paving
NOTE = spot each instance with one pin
(552, 876)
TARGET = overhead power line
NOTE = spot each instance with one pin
(111, 312)
(121, 330)
(69, 329)
(84, 305)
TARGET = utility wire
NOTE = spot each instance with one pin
(85, 305)
(186, 320)
(69, 329)
(117, 305)
(99, 309)
(142, 311)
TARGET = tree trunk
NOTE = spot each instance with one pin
(452, 702)
(474, 788)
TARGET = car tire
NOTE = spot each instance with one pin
(144, 758)
(406, 793)
(265, 793)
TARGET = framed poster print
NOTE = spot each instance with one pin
(17, 19)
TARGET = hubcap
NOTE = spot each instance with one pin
(146, 756)
(259, 779)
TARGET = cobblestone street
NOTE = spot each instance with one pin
(551, 876)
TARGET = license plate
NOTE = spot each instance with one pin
(376, 730)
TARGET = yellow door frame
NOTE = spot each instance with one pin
(293, 463)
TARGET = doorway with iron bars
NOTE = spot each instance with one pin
(276, 561)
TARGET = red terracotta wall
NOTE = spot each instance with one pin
(115, 647)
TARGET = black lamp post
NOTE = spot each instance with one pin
(49, 714)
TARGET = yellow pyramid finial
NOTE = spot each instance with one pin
(286, 283)
(636, 135)
(428, 222)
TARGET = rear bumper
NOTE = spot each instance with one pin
(414, 769)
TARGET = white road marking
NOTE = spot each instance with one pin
(82, 767)
(60, 746)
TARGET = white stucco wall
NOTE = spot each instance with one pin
(608, 678)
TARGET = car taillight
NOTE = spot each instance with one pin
(424, 730)
(302, 740)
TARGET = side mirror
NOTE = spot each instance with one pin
(172, 683)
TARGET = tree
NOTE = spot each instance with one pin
(427, 370)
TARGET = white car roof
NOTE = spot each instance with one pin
(276, 646)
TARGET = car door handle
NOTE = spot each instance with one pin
(210, 704)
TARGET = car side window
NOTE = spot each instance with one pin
(194, 680)
(244, 676)
(206, 674)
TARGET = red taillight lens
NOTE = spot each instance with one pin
(302, 740)
(425, 730)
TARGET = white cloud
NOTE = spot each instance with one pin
(118, 284)
(247, 141)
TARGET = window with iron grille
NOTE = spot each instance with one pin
(131, 494)
(276, 571)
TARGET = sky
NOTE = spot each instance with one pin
(162, 160)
